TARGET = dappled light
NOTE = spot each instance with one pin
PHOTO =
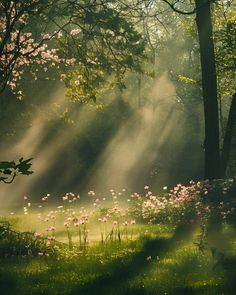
(45, 154)
(128, 152)
(117, 143)
(136, 152)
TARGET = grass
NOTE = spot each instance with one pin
(162, 260)
(121, 258)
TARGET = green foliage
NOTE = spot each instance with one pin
(9, 170)
(13, 243)
(225, 44)
(107, 46)
(186, 80)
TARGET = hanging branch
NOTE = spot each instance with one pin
(9, 170)
(172, 6)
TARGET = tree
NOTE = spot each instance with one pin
(224, 33)
(217, 65)
(107, 47)
(24, 43)
(215, 165)
(209, 89)
(19, 50)
(228, 136)
(90, 37)
(98, 41)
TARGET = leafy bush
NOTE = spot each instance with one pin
(13, 243)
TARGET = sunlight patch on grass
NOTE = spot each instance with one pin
(211, 281)
(182, 267)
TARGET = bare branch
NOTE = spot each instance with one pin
(172, 6)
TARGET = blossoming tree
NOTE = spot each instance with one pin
(93, 38)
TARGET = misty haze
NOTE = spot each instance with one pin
(117, 143)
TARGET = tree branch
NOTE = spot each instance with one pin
(172, 6)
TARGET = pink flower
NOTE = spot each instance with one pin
(66, 224)
(46, 37)
(51, 238)
(75, 31)
(37, 235)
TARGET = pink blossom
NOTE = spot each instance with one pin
(75, 31)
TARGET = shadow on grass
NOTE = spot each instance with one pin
(113, 282)
(126, 276)
(229, 266)
(8, 283)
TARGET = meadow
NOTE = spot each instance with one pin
(180, 242)
(132, 99)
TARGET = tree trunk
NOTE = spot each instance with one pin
(209, 89)
(228, 136)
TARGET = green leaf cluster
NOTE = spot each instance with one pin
(9, 170)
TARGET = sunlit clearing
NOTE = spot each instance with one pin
(147, 147)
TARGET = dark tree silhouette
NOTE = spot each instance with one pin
(215, 163)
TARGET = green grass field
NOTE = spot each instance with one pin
(108, 248)
(154, 259)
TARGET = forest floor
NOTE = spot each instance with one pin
(145, 259)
